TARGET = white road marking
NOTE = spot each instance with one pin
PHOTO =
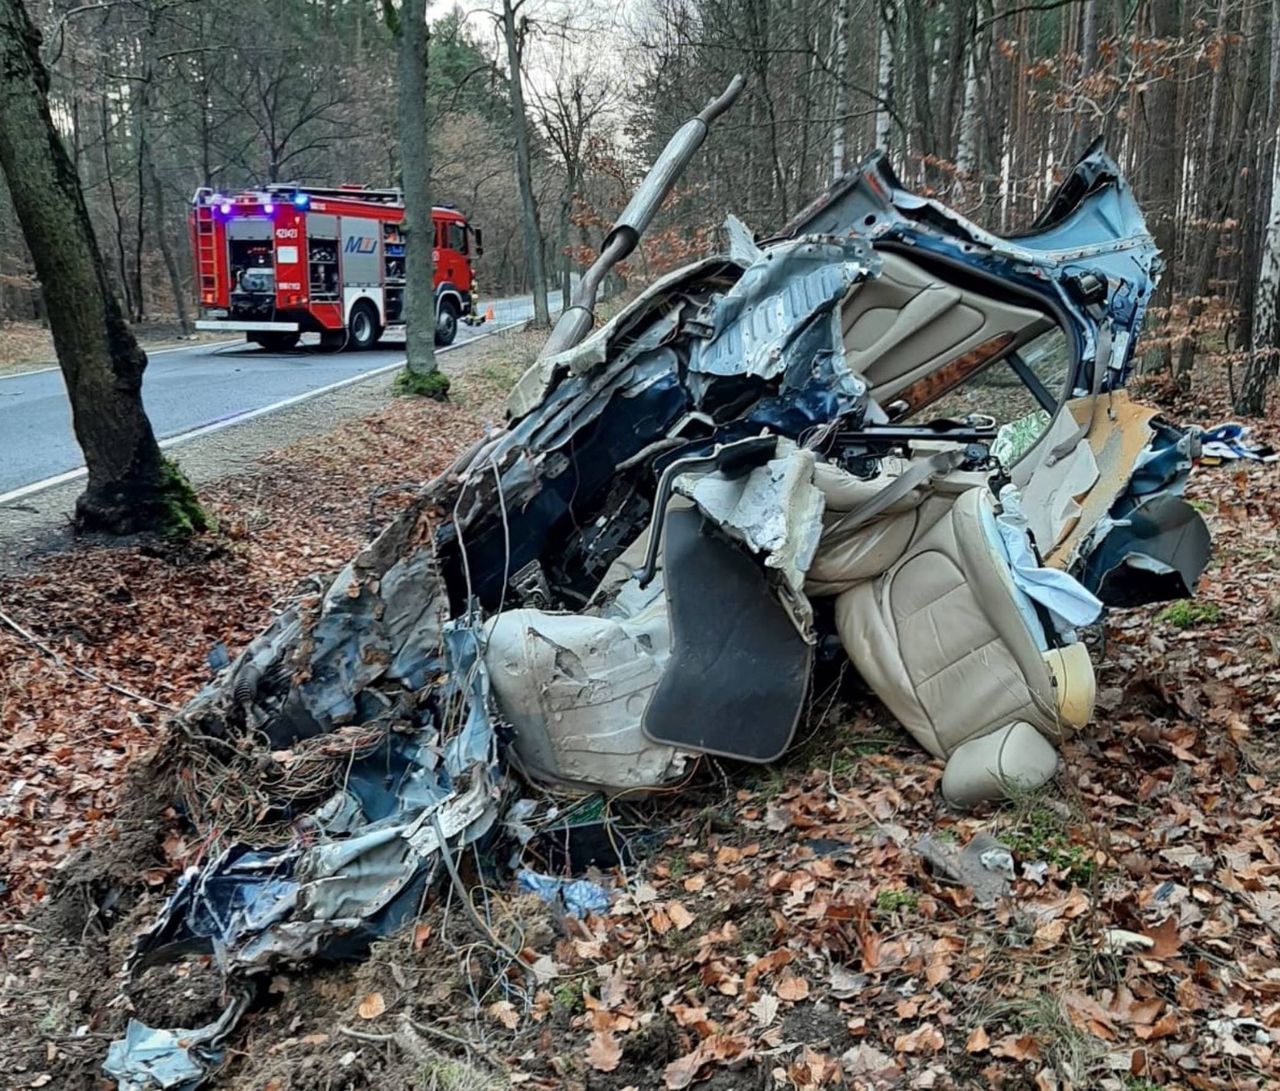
(248, 415)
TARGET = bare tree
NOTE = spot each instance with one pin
(295, 111)
(1264, 340)
(130, 485)
(513, 33)
(576, 100)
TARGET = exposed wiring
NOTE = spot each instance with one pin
(452, 868)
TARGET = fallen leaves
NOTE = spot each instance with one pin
(718, 1048)
(926, 1038)
(1017, 1047)
(765, 1009)
(1165, 941)
(504, 1012)
(372, 1006)
(793, 988)
(805, 917)
(604, 1054)
(681, 1072)
(679, 915)
(978, 1041)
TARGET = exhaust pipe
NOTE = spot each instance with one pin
(575, 323)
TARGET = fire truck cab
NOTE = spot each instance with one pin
(291, 259)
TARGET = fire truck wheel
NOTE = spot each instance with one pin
(362, 330)
(274, 342)
(447, 323)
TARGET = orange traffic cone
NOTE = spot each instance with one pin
(488, 315)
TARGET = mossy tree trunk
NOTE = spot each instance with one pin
(130, 486)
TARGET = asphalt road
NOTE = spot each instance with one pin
(190, 388)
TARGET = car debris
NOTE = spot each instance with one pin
(882, 426)
(578, 897)
(984, 865)
(1229, 442)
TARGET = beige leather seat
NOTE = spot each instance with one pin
(944, 640)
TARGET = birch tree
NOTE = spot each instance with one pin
(885, 75)
(840, 100)
(1264, 342)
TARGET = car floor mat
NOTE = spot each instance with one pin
(736, 679)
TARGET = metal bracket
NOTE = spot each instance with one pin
(530, 586)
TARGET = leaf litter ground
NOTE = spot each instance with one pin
(785, 933)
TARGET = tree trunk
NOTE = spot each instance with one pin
(884, 80)
(1082, 124)
(524, 169)
(1161, 197)
(166, 250)
(140, 218)
(966, 141)
(130, 487)
(415, 168)
(922, 108)
(566, 263)
(947, 134)
(1264, 340)
(1213, 202)
(1255, 196)
(122, 265)
(840, 103)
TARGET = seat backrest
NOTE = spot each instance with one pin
(941, 639)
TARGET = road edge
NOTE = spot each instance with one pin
(35, 488)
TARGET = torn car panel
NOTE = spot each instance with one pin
(1088, 260)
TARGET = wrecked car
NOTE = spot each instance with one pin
(882, 430)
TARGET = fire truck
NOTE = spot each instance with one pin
(290, 259)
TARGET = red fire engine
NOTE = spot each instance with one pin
(290, 259)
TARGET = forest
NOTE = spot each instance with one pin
(983, 104)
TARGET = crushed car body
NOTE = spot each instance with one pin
(882, 429)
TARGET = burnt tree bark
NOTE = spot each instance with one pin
(130, 486)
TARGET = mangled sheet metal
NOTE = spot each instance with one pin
(744, 465)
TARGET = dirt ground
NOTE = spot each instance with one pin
(25, 346)
(782, 932)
